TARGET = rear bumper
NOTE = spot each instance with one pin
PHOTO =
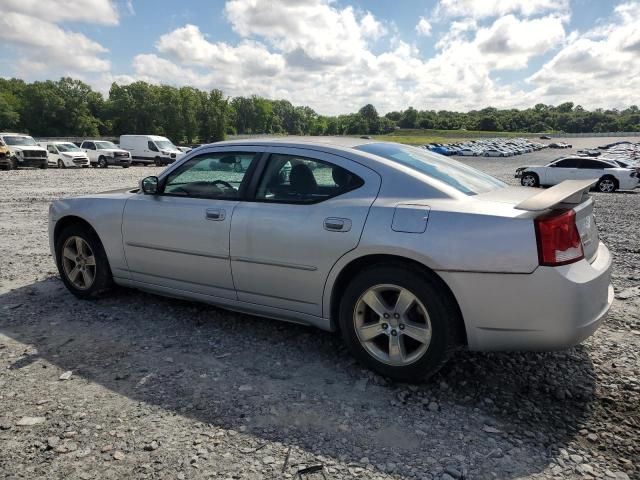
(552, 308)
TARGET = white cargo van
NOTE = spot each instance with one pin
(150, 149)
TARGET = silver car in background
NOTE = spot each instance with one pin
(408, 254)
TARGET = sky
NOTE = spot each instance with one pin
(338, 55)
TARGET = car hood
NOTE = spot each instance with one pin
(74, 154)
(27, 147)
(112, 150)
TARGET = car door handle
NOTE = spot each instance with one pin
(215, 214)
(333, 224)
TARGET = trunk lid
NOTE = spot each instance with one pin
(570, 194)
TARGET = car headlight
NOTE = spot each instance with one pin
(66, 155)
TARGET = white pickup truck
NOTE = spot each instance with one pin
(102, 154)
(24, 151)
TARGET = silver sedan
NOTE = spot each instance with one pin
(408, 254)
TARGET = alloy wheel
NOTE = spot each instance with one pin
(529, 181)
(392, 324)
(78, 262)
(607, 185)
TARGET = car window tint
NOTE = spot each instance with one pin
(455, 174)
(567, 163)
(593, 164)
(295, 179)
(152, 146)
(211, 175)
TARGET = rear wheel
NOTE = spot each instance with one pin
(82, 262)
(399, 322)
(530, 179)
(607, 185)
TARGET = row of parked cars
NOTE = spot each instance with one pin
(490, 147)
(612, 167)
(20, 150)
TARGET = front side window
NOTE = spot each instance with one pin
(455, 174)
(152, 146)
(294, 179)
(211, 175)
(89, 146)
(567, 163)
(51, 149)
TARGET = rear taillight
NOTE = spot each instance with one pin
(558, 239)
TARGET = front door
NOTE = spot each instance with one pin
(179, 238)
(309, 210)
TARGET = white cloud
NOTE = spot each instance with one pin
(41, 45)
(51, 46)
(423, 28)
(479, 9)
(101, 12)
(600, 68)
(311, 31)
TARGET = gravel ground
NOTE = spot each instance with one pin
(139, 386)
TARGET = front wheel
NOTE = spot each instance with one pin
(530, 180)
(399, 322)
(606, 185)
(102, 162)
(61, 164)
(82, 262)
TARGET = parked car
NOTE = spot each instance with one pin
(609, 175)
(5, 156)
(65, 154)
(493, 152)
(23, 151)
(441, 150)
(407, 253)
(102, 154)
(150, 149)
(589, 153)
(545, 137)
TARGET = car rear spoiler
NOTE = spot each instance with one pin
(567, 192)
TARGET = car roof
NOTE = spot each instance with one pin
(16, 134)
(335, 142)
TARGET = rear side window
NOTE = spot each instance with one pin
(455, 174)
(593, 164)
(294, 179)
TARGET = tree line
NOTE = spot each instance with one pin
(70, 107)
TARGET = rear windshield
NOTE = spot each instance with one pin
(455, 174)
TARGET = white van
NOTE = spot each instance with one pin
(65, 154)
(150, 149)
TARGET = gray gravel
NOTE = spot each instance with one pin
(139, 386)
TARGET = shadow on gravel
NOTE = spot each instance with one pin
(484, 413)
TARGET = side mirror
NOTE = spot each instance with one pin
(149, 185)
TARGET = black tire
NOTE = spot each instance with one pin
(157, 161)
(102, 162)
(443, 312)
(44, 165)
(103, 280)
(61, 164)
(530, 176)
(607, 184)
(125, 166)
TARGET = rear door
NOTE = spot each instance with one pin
(308, 210)
(590, 169)
(560, 171)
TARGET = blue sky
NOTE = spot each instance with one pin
(336, 55)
